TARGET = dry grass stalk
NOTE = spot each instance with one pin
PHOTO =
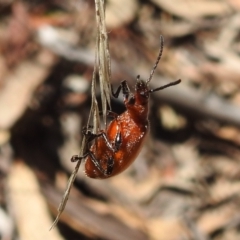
(102, 64)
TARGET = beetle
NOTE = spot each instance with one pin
(113, 150)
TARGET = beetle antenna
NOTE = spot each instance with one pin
(158, 59)
(165, 86)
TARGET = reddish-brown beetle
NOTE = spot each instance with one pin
(114, 150)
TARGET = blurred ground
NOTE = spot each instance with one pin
(185, 184)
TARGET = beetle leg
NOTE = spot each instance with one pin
(109, 114)
(85, 128)
(91, 136)
(76, 158)
(98, 165)
(125, 90)
(106, 172)
(116, 94)
(110, 165)
(110, 146)
(118, 141)
(112, 114)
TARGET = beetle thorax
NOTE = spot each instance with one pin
(141, 93)
(137, 104)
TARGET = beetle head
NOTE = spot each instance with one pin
(141, 87)
(141, 90)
